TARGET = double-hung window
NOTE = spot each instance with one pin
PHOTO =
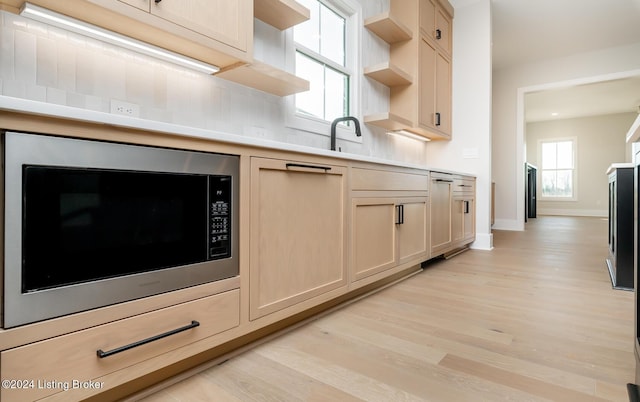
(323, 50)
(558, 169)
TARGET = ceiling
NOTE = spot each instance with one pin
(528, 31)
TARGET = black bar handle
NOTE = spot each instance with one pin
(157, 1)
(437, 118)
(466, 207)
(300, 165)
(399, 214)
(101, 354)
(445, 180)
(438, 31)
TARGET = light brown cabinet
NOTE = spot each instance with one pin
(421, 101)
(73, 357)
(219, 32)
(387, 232)
(217, 19)
(441, 192)
(389, 220)
(435, 92)
(463, 213)
(452, 212)
(297, 233)
(435, 23)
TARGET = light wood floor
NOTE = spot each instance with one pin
(534, 319)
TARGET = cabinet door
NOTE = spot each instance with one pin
(427, 88)
(222, 20)
(442, 31)
(441, 208)
(297, 248)
(434, 110)
(469, 214)
(457, 220)
(413, 230)
(443, 94)
(141, 4)
(428, 17)
(373, 236)
(436, 24)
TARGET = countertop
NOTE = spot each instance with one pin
(19, 105)
(615, 166)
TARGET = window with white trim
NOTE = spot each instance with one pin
(558, 169)
(323, 52)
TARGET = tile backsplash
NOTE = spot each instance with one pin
(47, 64)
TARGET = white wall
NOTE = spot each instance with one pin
(600, 142)
(509, 87)
(470, 149)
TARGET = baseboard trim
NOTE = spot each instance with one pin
(484, 241)
(597, 213)
(508, 224)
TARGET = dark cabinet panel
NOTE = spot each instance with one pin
(620, 259)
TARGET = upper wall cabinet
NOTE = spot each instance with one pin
(219, 32)
(435, 23)
(419, 69)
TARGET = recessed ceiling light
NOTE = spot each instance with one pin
(554, 114)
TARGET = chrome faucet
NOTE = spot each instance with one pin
(333, 129)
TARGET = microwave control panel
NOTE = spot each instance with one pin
(219, 217)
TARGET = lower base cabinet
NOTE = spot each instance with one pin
(297, 233)
(463, 212)
(390, 220)
(452, 212)
(387, 232)
(72, 362)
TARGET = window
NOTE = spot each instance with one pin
(558, 169)
(323, 52)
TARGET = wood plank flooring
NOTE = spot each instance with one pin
(534, 319)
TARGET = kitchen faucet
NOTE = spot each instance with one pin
(333, 129)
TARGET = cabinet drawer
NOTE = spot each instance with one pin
(464, 185)
(55, 364)
(381, 180)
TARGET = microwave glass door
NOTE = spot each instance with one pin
(87, 224)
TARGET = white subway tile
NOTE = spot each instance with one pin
(57, 96)
(14, 88)
(47, 62)
(6, 51)
(25, 57)
(36, 92)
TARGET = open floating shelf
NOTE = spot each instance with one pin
(281, 14)
(265, 78)
(388, 74)
(388, 28)
(389, 121)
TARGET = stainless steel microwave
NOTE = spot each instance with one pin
(89, 223)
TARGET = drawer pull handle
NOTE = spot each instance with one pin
(300, 165)
(101, 354)
(444, 181)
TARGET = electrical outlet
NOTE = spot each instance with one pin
(124, 108)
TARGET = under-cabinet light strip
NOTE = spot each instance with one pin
(406, 134)
(62, 21)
